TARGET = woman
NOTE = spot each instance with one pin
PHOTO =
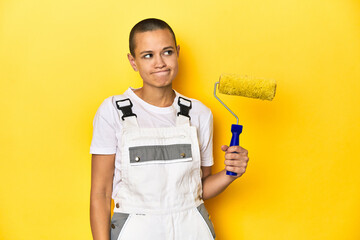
(152, 151)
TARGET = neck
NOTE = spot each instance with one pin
(160, 97)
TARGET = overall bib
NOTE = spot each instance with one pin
(160, 193)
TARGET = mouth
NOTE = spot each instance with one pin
(162, 72)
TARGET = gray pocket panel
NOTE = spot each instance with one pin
(159, 153)
(117, 223)
(204, 213)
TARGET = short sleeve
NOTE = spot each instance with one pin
(206, 141)
(104, 132)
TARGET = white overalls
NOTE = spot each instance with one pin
(160, 193)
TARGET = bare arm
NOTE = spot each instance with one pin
(236, 159)
(102, 171)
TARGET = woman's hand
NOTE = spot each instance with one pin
(236, 159)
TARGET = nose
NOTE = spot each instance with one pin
(159, 62)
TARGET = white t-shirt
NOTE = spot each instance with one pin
(107, 123)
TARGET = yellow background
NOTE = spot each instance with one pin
(60, 59)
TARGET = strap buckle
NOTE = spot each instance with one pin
(185, 106)
(125, 106)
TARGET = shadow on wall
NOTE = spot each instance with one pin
(267, 127)
(187, 70)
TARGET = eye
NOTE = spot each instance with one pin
(147, 56)
(168, 52)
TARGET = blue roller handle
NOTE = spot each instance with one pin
(236, 130)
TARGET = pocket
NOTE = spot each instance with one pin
(205, 215)
(117, 223)
(160, 154)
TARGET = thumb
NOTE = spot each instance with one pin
(224, 147)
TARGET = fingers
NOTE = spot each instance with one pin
(237, 163)
(224, 148)
(238, 170)
(236, 160)
(237, 149)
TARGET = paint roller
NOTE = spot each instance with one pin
(246, 86)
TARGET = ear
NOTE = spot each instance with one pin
(132, 62)
(178, 50)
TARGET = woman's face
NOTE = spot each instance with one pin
(156, 58)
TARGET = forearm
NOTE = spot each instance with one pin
(100, 214)
(102, 172)
(236, 159)
(213, 185)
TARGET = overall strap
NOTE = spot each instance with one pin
(183, 117)
(124, 107)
